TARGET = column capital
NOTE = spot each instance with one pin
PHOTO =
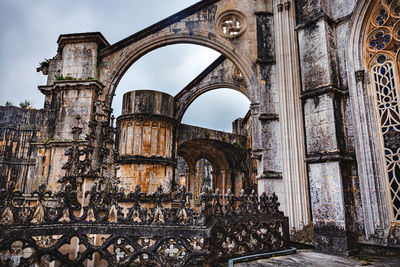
(287, 5)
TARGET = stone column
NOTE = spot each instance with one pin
(329, 168)
(146, 140)
(191, 177)
(223, 188)
(370, 168)
(290, 117)
(269, 162)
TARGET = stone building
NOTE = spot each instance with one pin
(322, 132)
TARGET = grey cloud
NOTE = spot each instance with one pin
(29, 31)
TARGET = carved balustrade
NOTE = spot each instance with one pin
(133, 228)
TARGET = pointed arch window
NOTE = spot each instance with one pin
(382, 43)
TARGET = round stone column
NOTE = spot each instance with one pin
(146, 140)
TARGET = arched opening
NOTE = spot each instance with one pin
(167, 69)
(114, 70)
(217, 109)
(142, 137)
(114, 65)
(227, 161)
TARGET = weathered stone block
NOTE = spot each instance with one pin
(318, 57)
(320, 125)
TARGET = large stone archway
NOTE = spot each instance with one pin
(116, 59)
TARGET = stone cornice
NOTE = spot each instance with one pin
(45, 89)
(268, 117)
(329, 157)
(269, 61)
(71, 84)
(270, 175)
(263, 13)
(147, 160)
(146, 117)
(59, 143)
(75, 38)
(323, 90)
(77, 82)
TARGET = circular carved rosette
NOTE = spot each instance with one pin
(231, 24)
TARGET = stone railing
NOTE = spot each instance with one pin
(107, 227)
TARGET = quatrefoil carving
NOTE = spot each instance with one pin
(231, 24)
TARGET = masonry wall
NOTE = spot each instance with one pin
(19, 128)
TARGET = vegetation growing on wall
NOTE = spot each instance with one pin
(25, 104)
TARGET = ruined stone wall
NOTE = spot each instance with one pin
(19, 128)
(190, 132)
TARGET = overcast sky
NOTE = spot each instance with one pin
(29, 31)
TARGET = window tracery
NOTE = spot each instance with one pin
(382, 44)
(231, 24)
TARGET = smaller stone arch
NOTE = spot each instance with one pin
(227, 161)
(222, 73)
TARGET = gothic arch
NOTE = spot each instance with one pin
(181, 109)
(226, 161)
(370, 161)
(114, 65)
(222, 73)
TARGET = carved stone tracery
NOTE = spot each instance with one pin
(231, 24)
(381, 51)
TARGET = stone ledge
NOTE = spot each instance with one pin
(146, 160)
(56, 143)
(263, 13)
(270, 175)
(146, 117)
(328, 157)
(268, 117)
(323, 90)
(268, 61)
(78, 82)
